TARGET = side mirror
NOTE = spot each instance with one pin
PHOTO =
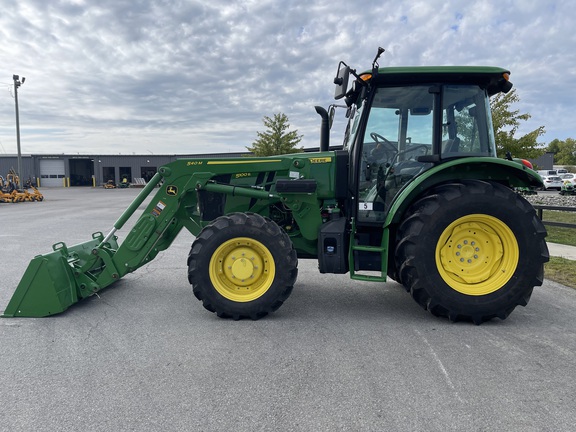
(341, 81)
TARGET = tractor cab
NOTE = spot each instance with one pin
(404, 121)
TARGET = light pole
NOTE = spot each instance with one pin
(18, 83)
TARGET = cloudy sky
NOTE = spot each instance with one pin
(197, 76)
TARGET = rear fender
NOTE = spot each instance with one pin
(509, 173)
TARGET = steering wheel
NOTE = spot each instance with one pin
(379, 139)
(383, 148)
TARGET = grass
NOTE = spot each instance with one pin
(561, 270)
(560, 235)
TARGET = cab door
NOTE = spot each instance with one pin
(398, 131)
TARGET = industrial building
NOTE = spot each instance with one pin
(545, 162)
(65, 170)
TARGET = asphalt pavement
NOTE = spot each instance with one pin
(340, 355)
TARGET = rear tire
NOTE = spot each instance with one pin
(242, 266)
(471, 251)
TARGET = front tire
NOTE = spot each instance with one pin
(471, 251)
(242, 266)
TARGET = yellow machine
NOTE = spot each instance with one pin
(4, 196)
(10, 190)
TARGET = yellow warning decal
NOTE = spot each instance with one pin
(320, 160)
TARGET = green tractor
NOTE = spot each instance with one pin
(567, 188)
(415, 193)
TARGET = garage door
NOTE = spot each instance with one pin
(52, 172)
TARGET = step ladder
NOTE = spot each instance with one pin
(381, 250)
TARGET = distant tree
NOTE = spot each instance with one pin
(506, 123)
(276, 140)
(564, 151)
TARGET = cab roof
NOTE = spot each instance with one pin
(490, 77)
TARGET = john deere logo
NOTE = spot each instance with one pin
(172, 190)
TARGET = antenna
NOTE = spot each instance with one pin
(375, 64)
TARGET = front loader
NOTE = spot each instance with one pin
(415, 193)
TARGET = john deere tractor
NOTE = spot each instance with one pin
(415, 193)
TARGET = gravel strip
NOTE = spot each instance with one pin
(552, 200)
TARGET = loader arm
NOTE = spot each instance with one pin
(189, 194)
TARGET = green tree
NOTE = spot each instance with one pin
(506, 122)
(564, 151)
(276, 140)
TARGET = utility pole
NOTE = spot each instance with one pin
(18, 83)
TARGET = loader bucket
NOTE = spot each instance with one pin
(55, 281)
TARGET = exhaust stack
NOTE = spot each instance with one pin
(324, 129)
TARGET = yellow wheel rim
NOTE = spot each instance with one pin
(242, 269)
(477, 254)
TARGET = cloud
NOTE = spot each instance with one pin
(192, 76)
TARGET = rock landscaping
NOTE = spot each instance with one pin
(552, 200)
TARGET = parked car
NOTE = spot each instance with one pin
(567, 176)
(552, 182)
(546, 173)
